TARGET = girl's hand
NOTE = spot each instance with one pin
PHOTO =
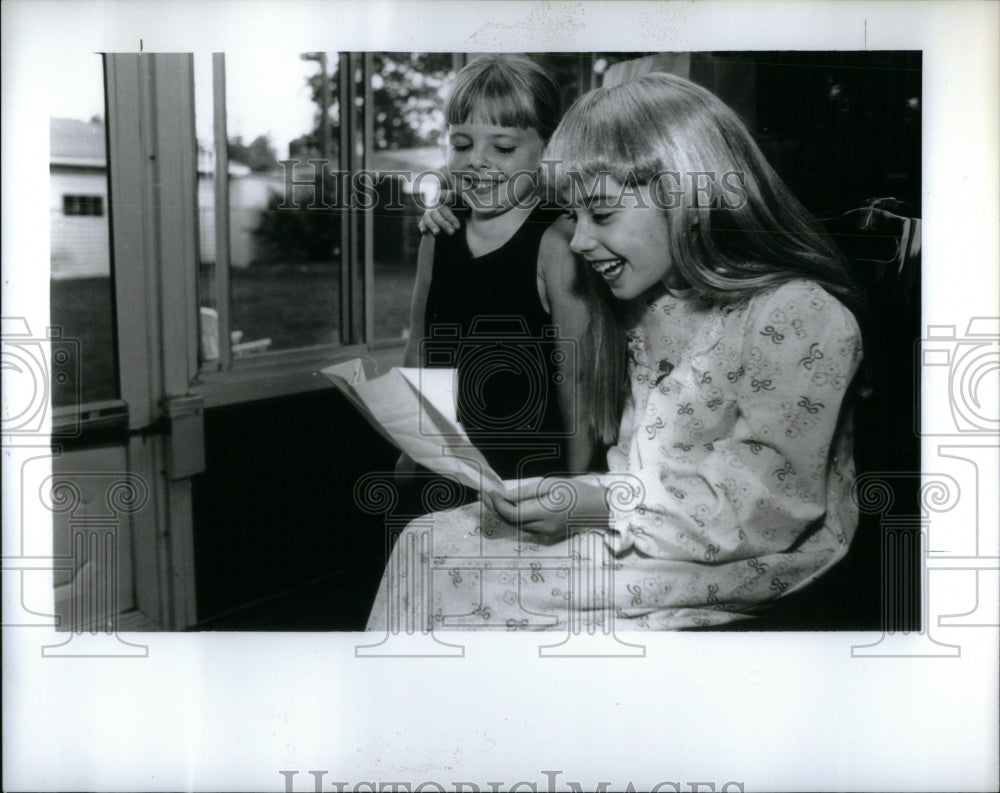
(440, 218)
(543, 506)
(437, 220)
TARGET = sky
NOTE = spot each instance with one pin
(266, 94)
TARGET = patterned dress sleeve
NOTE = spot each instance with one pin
(758, 483)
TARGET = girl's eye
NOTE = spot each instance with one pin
(505, 150)
(461, 146)
(570, 215)
(601, 217)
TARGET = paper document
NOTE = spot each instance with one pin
(415, 410)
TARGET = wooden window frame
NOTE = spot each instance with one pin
(268, 374)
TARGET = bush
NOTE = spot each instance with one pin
(303, 235)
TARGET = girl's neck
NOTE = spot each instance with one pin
(485, 232)
(675, 283)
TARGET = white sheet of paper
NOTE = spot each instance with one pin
(437, 386)
(417, 414)
(352, 371)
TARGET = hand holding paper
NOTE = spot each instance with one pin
(543, 505)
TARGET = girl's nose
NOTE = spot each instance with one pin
(478, 159)
(582, 240)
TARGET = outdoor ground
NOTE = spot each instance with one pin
(294, 305)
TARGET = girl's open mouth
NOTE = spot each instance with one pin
(609, 269)
(473, 183)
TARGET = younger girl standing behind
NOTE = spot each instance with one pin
(500, 300)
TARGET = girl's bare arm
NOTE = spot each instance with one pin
(560, 293)
(418, 304)
(418, 307)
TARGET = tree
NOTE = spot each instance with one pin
(296, 235)
(260, 155)
(408, 97)
(408, 90)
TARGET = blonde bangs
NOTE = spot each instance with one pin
(505, 91)
(494, 104)
(591, 142)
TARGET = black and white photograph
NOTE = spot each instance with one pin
(502, 396)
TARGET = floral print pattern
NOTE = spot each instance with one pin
(737, 441)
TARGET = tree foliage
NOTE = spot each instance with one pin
(297, 235)
(259, 154)
(408, 90)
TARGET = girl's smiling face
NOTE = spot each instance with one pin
(624, 236)
(495, 166)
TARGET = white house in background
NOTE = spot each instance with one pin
(78, 189)
(78, 202)
(78, 199)
(249, 193)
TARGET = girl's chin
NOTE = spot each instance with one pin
(622, 290)
(625, 289)
(488, 209)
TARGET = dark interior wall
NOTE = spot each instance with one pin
(841, 127)
(274, 513)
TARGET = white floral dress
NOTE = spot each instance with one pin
(729, 487)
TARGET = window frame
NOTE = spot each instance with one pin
(74, 202)
(280, 372)
(231, 380)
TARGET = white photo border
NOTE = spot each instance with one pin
(751, 711)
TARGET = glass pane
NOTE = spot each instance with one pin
(284, 256)
(204, 120)
(573, 72)
(408, 92)
(81, 293)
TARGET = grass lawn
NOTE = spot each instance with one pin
(298, 305)
(294, 305)
(82, 309)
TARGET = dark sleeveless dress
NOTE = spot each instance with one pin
(484, 317)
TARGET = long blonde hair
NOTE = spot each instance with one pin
(735, 236)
